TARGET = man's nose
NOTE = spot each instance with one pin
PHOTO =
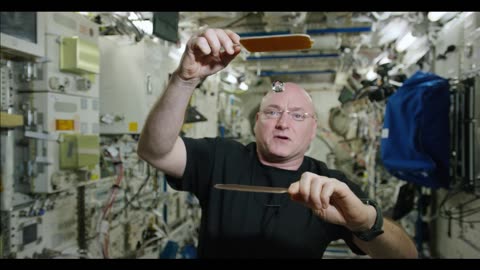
(282, 121)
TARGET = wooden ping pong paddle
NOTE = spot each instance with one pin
(275, 43)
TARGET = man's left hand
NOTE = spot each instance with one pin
(333, 201)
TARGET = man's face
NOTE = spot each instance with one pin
(284, 138)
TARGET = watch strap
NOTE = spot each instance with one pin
(376, 229)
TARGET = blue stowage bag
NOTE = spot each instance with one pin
(415, 143)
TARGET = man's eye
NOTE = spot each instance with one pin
(297, 116)
(272, 113)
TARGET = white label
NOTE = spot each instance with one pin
(385, 133)
(113, 151)
(104, 226)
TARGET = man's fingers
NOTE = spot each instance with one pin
(326, 192)
(225, 41)
(316, 189)
(202, 44)
(233, 36)
(305, 183)
(218, 39)
(294, 191)
(293, 188)
(212, 38)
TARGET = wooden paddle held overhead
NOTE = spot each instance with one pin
(277, 43)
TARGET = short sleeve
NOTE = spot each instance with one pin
(198, 170)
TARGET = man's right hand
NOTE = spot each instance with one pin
(204, 55)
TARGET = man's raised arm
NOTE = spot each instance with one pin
(205, 54)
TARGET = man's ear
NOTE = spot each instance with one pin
(253, 118)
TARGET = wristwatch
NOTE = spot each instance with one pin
(376, 230)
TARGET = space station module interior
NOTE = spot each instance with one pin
(76, 89)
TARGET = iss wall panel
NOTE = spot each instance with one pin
(134, 76)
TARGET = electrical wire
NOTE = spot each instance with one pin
(457, 212)
(102, 228)
(134, 196)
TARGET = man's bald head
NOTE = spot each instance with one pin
(292, 90)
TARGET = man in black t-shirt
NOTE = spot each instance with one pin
(321, 204)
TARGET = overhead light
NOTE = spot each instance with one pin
(381, 57)
(416, 51)
(405, 42)
(145, 25)
(133, 16)
(230, 79)
(371, 75)
(384, 60)
(394, 29)
(243, 86)
(435, 16)
(448, 16)
(121, 14)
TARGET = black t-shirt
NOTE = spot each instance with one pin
(249, 224)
